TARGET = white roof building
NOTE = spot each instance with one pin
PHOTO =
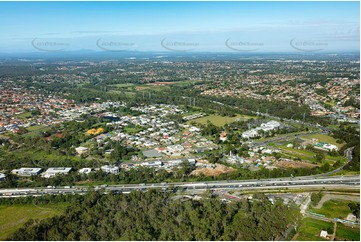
(53, 171)
(250, 134)
(192, 161)
(81, 150)
(152, 163)
(330, 147)
(194, 129)
(27, 171)
(175, 148)
(2, 176)
(271, 125)
(85, 170)
(323, 234)
(110, 169)
(174, 162)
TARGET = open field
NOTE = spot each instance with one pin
(36, 130)
(219, 120)
(306, 155)
(346, 173)
(322, 138)
(334, 209)
(293, 164)
(12, 217)
(344, 232)
(310, 229)
(132, 130)
(23, 115)
(328, 196)
(219, 169)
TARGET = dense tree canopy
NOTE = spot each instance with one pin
(155, 215)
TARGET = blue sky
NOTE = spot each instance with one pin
(180, 26)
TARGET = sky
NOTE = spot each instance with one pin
(180, 26)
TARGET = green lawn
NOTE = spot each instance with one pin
(12, 217)
(132, 130)
(334, 209)
(219, 120)
(310, 229)
(323, 138)
(36, 130)
(306, 155)
(344, 232)
(23, 115)
(346, 173)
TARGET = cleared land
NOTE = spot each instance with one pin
(36, 130)
(334, 209)
(12, 217)
(323, 138)
(219, 169)
(327, 197)
(219, 120)
(344, 232)
(293, 164)
(23, 115)
(310, 229)
(307, 155)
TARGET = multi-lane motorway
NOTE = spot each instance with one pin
(337, 182)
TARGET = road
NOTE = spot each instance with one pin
(283, 137)
(337, 182)
(348, 154)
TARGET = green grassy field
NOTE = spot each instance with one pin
(132, 130)
(219, 120)
(334, 209)
(23, 115)
(346, 173)
(306, 155)
(36, 130)
(344, 232)
(310, 229)
(12, 217)
(323, 138)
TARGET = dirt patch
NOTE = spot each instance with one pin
(216, 171)
(293, 164)
(139, 88)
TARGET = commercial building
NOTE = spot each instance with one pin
(53, 171)
(110, 169)
(81, 150)
(2, 176)
(85, 170)
(152, 164)
(27, 171)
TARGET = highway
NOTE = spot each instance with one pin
(337, 182)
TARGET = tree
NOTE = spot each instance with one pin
(319, 157)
